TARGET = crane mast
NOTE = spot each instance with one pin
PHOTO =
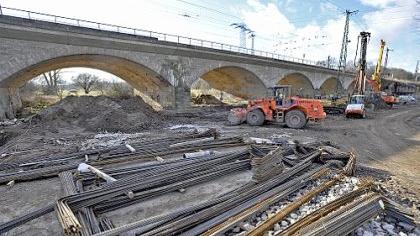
(361, 76)
(376, 77)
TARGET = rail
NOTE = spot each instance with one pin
(147, 33)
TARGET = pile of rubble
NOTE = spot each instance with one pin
(100, 113)
(207, 100)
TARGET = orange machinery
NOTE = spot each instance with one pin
(375, 81)
(280, 107)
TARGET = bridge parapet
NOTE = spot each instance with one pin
(36, 16)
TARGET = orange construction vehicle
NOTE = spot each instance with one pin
(375, 82)
(279, 107)
(359, 100)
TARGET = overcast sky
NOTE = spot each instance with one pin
(290, 27)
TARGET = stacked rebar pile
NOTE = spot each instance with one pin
(279, 180)
(198, 219)
(142, 151)
(146, 183)
(266, 166)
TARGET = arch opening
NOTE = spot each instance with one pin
(301, 85)
(332, 86)
(141, 78)
(230, 84)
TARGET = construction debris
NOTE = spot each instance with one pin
(296, 188)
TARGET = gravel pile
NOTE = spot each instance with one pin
(384, 225)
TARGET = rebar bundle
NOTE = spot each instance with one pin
(266, 166)
(278, 172)
(67, 219)
(164, 178)
(144, 151)
(347, 218)
(235, 202)
(363, 188)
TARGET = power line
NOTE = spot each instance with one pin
(208, 8)
(335, 5)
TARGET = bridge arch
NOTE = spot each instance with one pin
(350, 87)
(301, 85)
(235, 80)
(331, 86)
(137, 75)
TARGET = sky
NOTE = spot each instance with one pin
(311, 29)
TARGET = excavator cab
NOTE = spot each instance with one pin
(357, 99)
(356, 106)
(281, 94)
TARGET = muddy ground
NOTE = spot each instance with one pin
(387, 144)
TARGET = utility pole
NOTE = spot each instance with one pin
(343, 53)
(328, 61)
(252, 36)
(360, 85)
(386, 59)
(242, 33)
(416, 72)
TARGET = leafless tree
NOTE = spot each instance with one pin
(121, 89)
(30, 88)
(51, 80)
(102, 86)
(86, 81)
(399, 73)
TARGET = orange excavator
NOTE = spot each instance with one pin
(375, 81)
(279, 107)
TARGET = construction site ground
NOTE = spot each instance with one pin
(387, 145)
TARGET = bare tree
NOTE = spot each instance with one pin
(51, 80)
(86, 81)
(121, 89)
(102, 86)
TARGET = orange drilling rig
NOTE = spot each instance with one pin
(375, 81)
(360, 98)
(279, 107)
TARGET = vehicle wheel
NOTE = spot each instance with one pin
(234, 119)
(255, 117)
(295, 119)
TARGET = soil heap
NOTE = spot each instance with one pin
(101, 113)
(207, 99)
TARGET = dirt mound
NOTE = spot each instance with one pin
(207, 99)
(101, 114)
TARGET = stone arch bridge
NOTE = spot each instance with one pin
(163, 70)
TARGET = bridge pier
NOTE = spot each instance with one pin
(10, 103)
(182, 97)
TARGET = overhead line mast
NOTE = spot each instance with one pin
(242, 33)
(343, 53)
